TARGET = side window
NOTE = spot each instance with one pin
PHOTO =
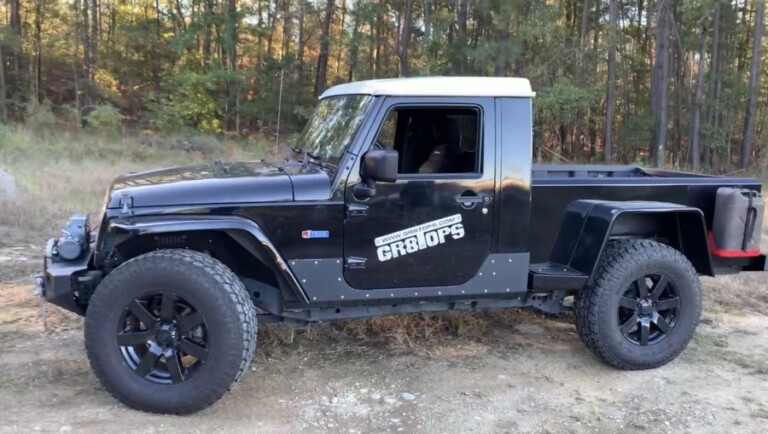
(433, 140)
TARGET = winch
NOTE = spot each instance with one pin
(74, 238)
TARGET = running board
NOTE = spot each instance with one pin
(549, 276)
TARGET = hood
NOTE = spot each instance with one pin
(221, 183)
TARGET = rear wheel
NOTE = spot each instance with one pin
(170, 331)
(643, 307)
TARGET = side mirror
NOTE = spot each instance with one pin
(380, 165)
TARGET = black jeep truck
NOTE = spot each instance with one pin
(406, 195)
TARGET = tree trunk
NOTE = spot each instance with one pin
(660, 84)
(87, 55)
(300, 48)
(714, 67)
(3, 89)
(680, 79)
(342, 33)
(354, 45)
(405, 38)
(502, 42)
(378, 39)
(232, 87)
(14, 20)
(271, 24)
(157, 61)
(38, 51)
(713, 94)
(181, 24)
(754, 76)
(207, 42)
(427, 34)
(741, 58)
(94, 37)
(322, 58)
(461, 36)
(77, 94)
(584, 23)
(15, 25)
(696, 121)
(613, 17)
(286, 52)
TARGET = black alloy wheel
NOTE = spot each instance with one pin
(163, 338)
(648, 309)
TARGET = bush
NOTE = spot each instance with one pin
(69, 114)
(40, 116)
(188, 102)
(104, 117)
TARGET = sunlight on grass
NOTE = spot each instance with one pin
(59, 174)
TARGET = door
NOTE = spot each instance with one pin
(434, 225)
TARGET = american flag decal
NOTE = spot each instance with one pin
(308, 234)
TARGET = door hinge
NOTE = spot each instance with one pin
(357, 210)
(354, 262)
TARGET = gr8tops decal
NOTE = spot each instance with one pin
(419, 237)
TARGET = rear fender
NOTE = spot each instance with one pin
(589, 225)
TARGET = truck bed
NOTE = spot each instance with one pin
(590, 171)
(554, 186)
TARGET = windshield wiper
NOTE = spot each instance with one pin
(309, 157)
(305, 154)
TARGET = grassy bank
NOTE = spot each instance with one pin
(58, 173)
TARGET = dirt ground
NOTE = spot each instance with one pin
(523, 373)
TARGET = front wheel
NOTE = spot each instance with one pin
(643, 307)
(170, 331)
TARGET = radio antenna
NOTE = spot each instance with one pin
(279, 110)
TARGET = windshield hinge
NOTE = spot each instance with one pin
(357, 210)
(354, 262)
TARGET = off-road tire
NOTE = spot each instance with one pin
(219, 296)
(596, 307)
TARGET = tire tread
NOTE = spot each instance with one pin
(617, 260)
(236, 296)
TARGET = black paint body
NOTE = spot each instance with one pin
(534, 237)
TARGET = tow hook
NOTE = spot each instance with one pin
(39, 290)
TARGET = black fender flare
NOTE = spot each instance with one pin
(589, 224)
(244, 231)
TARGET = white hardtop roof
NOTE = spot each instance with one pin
(436, 86)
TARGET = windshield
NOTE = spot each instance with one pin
(332, 126)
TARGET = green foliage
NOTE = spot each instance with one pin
(203, 68)
(40, 116)
(188, 102)
(562, 102)
(713, 137)
(636, 133)
(70, 114)
(105, 118)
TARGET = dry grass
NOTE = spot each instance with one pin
(411, 333)
(58, 175)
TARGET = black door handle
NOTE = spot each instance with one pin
(469, 201)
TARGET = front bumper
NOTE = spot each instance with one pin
(61, 280)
